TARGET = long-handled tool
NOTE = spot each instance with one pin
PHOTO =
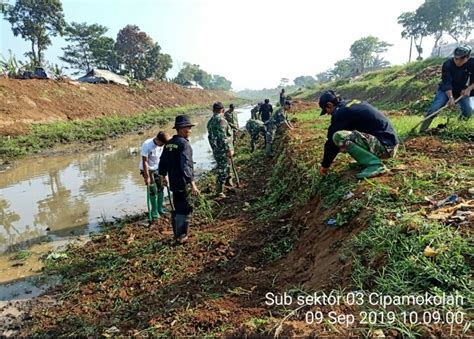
(432, 115)
(169, 197)
(235, 171)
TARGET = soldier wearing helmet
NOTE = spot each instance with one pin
(457, 82)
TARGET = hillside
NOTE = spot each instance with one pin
(23, 102)
(409, 87)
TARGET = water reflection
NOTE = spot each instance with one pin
(73, 192)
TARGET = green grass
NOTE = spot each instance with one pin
(392, 88)
(45, 136)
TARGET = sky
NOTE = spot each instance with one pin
(253, 43)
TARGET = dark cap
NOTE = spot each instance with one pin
(231, 106)
(217, 106)
(462, 51)
(182, 121)
(327, 96)
(288, 103)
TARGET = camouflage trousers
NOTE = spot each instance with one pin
(342, 139)
(223, 168)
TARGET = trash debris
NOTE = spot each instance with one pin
(452, 199)
(57, 255)
(429, 252)
(348, 195)
(250, 269)
(471, 191)
(113, 329)
(332, 221)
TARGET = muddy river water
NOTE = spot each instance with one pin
(48, 202)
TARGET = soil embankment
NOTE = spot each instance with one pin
(23, 102)
(273, 235)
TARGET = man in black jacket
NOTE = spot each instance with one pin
(361, 130)
(266, 110)
(177, 162)
(457, 80)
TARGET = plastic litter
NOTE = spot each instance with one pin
(332, 221)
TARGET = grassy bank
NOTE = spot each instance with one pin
(42, 137)
(409, 87)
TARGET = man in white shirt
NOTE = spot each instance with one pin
(150, 158)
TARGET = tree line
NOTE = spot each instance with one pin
(437, 18)
(132, 53)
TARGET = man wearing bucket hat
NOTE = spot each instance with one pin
(176, 162)
(361, 130)
(457, 82)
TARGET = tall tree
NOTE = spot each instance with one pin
(220, 82)
(304, 80)
(364, 51)
(104, 54)
(463, 23)
(187, 73)
(84, 39)
(132, 46)
(36, 21)
(439, 16)
(414, 28)
(141, 56)
(325, 76)
(343, 69)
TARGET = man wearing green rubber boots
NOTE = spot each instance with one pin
(150, 157)
(359, 129)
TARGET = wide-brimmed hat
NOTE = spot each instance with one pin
(182, 121)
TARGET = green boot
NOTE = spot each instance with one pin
(373, 165)
(154, 202)
(161, 197)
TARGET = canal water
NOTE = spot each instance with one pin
(51, 201)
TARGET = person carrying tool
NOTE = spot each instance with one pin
(361, 130)
(231, 118)
(255, 128)
(457, 80)
(176, 162)
(220, 139)
(150, 157)
(254, 111)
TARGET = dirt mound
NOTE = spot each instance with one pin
(33, 101)
(432, 146)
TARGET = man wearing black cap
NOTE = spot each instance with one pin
(457, 81)
(361, 130)
(177, 162)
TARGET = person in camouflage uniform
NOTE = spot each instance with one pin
(255, 128)
(254, 112)
(220, 139)
(271, 125)
(231, 118)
